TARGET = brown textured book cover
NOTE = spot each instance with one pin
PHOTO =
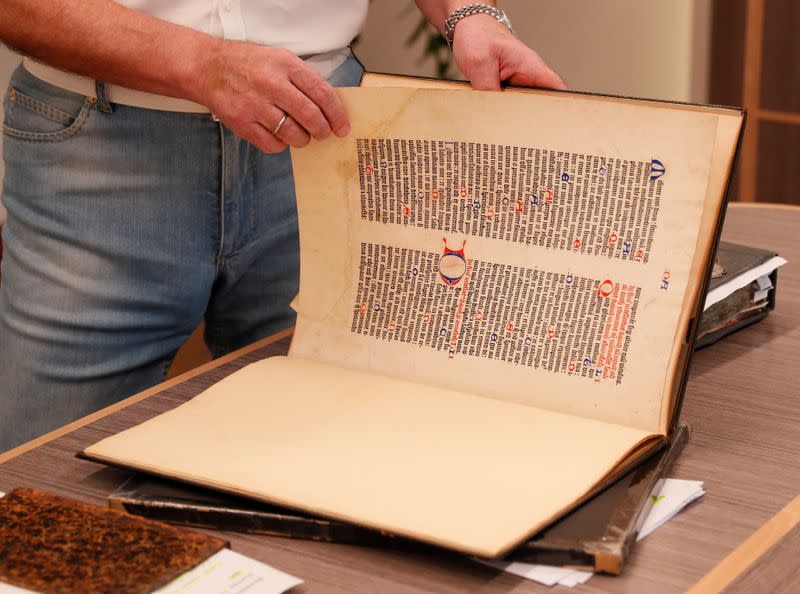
(51, 544)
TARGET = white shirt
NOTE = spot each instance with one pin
(317, 30)
(303, 26)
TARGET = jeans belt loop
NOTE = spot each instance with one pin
(102, 99)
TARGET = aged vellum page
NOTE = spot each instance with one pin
(729, 127)
(461, 471)
(540, 256)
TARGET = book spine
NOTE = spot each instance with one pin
(253, 522)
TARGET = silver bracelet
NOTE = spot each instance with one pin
(469, 10)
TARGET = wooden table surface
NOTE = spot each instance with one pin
(742, 399)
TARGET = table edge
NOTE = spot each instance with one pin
(766, 205)
(104, 412)
(751, 550)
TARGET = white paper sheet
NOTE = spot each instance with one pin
(674, 496)
(547, 575)
(228, 572)
(574, 578)
(764, 282)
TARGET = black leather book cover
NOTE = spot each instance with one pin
(600, 533)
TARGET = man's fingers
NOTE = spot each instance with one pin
(259, 85)
(257, 135)
(289, 132)
(304, 111)
(488, 53)
(538, 77)
(311, 84)
(292, 134)
(523, 67)
(285, 132)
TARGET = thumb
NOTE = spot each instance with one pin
(484, 75)
(537, 75)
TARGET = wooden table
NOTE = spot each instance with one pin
(742, 400)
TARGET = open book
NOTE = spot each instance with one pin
(497, 303)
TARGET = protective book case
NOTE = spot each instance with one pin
(498, 300)
(598, 535)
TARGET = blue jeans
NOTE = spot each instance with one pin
(125, 228)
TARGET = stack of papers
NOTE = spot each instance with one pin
(673, 497)
(675, 494)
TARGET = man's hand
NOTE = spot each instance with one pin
(248, 86)
(488, 54)
(251, 87)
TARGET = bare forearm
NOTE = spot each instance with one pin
(249, 87)
(104, 40)
(436, 11)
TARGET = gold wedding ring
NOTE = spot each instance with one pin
(280, 123)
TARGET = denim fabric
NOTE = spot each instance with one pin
(124, 230)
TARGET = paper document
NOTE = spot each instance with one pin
(764, 287)
(546, 575)
(228, 572)
(675, 495)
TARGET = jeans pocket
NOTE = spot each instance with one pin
(29, 115)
